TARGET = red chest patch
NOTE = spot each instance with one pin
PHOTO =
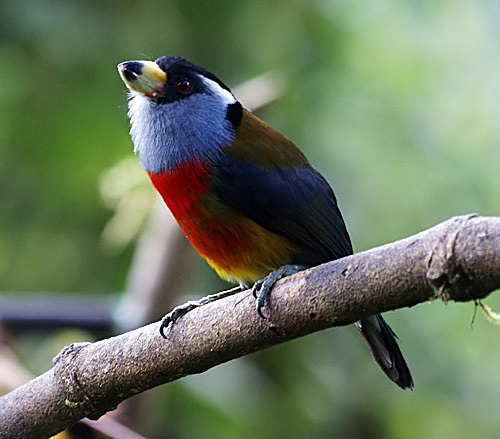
(233, 244)
(186, 191)
(182, 189)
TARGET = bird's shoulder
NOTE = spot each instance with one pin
(257, 142)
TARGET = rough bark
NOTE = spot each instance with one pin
(457, 260)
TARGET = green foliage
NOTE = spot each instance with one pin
(397, 104)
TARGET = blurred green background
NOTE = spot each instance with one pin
(397, 104)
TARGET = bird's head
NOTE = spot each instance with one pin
(178, 111)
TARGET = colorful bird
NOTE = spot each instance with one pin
(244, 195)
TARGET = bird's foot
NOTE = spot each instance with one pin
(262, 287)
(169, 320)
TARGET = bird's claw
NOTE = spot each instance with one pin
(256, 288)
(171, 318)
(262, 287)
(260, 291)
(166, 321)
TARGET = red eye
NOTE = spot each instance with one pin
(184, 86)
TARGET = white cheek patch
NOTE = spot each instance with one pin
(139, 114)
(225, 95)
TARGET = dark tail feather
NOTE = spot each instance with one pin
(385, 350)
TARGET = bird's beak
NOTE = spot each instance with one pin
(145, 77)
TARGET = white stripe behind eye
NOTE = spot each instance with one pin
(217, 90)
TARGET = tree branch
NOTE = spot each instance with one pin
(456, 260)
